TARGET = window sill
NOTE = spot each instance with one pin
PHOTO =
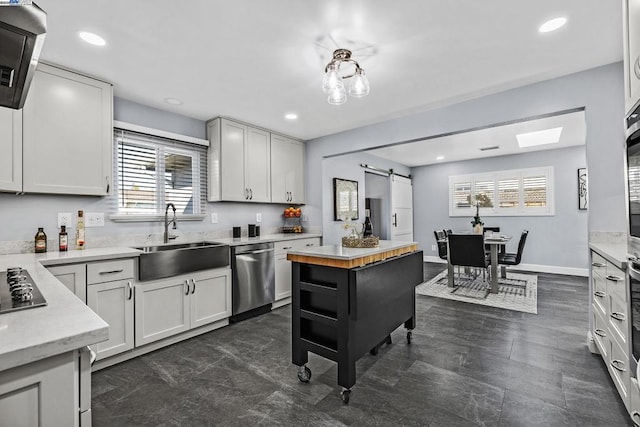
(155, 218)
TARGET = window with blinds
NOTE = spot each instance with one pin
(503, 193)
(153, 171)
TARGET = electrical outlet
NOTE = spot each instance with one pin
(433, 248)
(304, 218)
(94, 219)
(258, 217)
(64, 218)
(214, 218)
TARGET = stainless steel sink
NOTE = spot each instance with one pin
(160, 261)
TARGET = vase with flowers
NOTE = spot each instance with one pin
(476, 223)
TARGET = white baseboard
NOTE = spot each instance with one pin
(554, 269)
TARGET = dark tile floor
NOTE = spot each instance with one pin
(467, 365)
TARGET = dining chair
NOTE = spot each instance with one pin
(467, 250)
(441, 241)
(507, 258)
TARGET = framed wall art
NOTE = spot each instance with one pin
(345, 199)
(582, 189)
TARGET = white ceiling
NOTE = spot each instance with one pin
(257, 60)
(467, 145)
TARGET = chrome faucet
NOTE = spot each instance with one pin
(167, 222)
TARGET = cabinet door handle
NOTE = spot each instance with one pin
(636, 68)
(193, 282)
(619, 365)
(310, 244)
(600, 333)
(395, 220)
(597, 264)
(599, 294)
(130, 291)
(635, 417)
(286, 248)
(251, 194)
(108, 186)
(112, 271)
(617, 316)
(614, 278)
(246, 194)
(186, 282)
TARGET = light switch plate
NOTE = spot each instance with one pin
(94, 219)
(214, 218)
(258, 217)
(64, 218)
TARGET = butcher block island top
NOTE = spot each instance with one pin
(342, 257)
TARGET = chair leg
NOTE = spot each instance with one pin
(503, 271)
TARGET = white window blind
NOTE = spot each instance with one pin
(503, 193)
(152, 171)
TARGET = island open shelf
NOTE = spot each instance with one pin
(341, 313)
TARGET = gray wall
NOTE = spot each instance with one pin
(346, 167)
(559, 240)
(599, 90)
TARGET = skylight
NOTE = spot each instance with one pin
(540, 137)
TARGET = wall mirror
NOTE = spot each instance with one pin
(345, 199)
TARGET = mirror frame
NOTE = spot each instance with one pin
(345, 188)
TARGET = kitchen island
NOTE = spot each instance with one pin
(347, 301)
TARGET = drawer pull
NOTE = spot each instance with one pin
(600, 332)
(619, 365)
(599, 294)
(112, 271)
(286, 248)
(598, 264)
(617, 316)
(130, 290)
(614, 278)
(311, 244)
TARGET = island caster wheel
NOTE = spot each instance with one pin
(374, 351)
(304, 374)
(388, 340)
(408, 337)
(344, 395)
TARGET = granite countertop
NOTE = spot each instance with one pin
(614, 252)
(64, 324)
(342, 253)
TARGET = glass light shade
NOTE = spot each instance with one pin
(331, 80)
(337, 96)
(359, 86)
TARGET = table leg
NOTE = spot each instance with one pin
(450, 274)
(494, 269)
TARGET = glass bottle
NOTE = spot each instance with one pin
(63, 239)
(367, 230)
(80, 231)
(40, 241)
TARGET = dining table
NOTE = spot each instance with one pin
(494, 241)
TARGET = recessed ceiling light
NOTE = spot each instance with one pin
(92, 38)
(440, 158)
(541, 137)
(291, 116)
(552, 25)
(173, 101)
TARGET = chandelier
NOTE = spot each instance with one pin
(333, 85)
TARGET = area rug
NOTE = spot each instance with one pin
(509, 296)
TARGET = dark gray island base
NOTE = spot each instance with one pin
(341, 313)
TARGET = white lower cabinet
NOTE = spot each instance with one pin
(283, 266)
(170, 306)
(113, 302)
(44, 393)
(74, 277)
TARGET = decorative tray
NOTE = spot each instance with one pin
(360, 242)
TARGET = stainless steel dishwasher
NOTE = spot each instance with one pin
(253, 279)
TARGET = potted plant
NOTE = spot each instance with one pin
(477, 223)
(477, 201)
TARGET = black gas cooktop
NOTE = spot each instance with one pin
(7, 304)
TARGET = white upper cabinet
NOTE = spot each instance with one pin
(11, 149)
(631, 25)
(287, 170)
(67, 134)
(239, 162)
